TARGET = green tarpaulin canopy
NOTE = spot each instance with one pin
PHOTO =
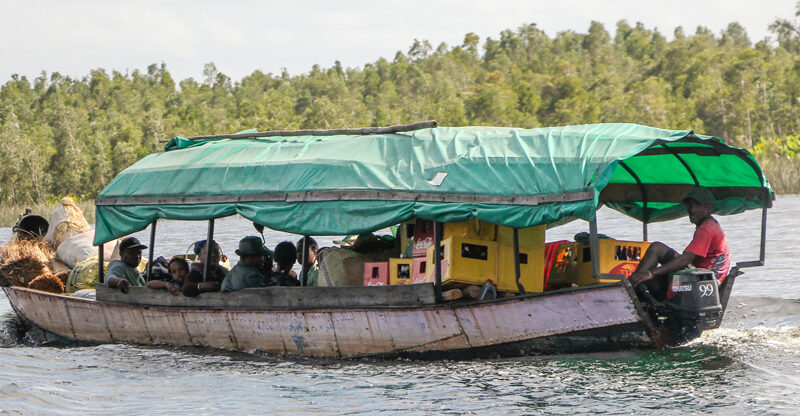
(345, 184)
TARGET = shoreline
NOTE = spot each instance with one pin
(10, 212)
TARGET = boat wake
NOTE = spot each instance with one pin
(746, 312)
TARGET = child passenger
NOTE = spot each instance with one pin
(178, 270)
(311, 267)
(285, 257)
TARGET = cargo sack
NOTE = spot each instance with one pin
(79, 248)
(345, 267)
(67, 220)
(84, 275)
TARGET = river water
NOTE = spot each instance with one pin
(749, 366)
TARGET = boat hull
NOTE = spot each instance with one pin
(586, 319)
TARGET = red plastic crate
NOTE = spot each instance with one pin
(376, 273)
(550, 252)
(423, 237)
(418, 270)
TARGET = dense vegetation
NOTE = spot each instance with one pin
(60, 135)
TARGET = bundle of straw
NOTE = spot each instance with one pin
(37, 249)
(20, 272)
(63, 276)
(24, 260)
(47, 282)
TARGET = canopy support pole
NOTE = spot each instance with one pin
(645, 216)
(763, 249)
(437, 260)
(152, 249)
(594, 248)
(516, 262)
(209, 241)
(100, 255)
(304, 260)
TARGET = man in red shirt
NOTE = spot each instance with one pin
(708, 249)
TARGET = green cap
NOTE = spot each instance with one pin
(251, 246)
(700, 194)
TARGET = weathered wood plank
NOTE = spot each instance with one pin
(258, 331)
(309, 333)
(350, 195)
(166, 327)
(45, 310)
(497, 323)
(126, 324)
(89, 323)
(210, 329)
(327, 132)
(368, 332)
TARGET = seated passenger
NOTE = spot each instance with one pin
(247, 272)
(216, 272)
(285, 257)
(178, 271)
(311, 268)
(123, 273)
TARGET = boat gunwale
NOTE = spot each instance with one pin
(474, 303)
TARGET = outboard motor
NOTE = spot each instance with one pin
(692, 304)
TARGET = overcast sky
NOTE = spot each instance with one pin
(73, 37)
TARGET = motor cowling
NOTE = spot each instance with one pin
(693, 299)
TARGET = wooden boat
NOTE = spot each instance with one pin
(499, 175)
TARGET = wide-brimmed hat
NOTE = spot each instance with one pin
(251, 246)
(700, 194)
(130, 242)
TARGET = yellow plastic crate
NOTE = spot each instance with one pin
(531, 250)
(400, 271)
(405, 232)
(616, 257)
(465, 260)
(531, 267)
(528, 237)
(474, 228)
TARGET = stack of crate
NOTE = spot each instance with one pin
(401, 271)
(572, 262)
(476, 251)
(472, 252)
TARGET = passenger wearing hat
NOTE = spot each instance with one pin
(247, 273)
(708, 249)
(123, 273)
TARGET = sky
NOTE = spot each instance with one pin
(239, 37)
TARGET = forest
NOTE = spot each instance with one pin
(70, 136)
